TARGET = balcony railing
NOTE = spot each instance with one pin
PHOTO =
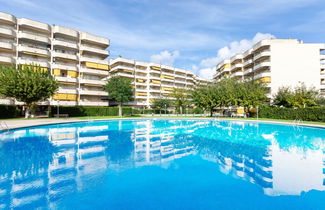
(33, 37)
(9, 60)
(262, 55)
(35, 62)
(93, 92)
(34, 51)
(66, 79)
(94, 50)
(64, 55)
(7, 18)
(65, 67)
(7, 46)
(94, 71)
(94, 39)
(34, 24)
(65, 44)
(7, 32)
(65, 31)
(92, 81)
(93, 60)
(262, 65)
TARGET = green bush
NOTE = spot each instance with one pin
(305, 114)
(8, 111)
(80, 111)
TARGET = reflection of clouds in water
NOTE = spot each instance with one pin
(68, 158)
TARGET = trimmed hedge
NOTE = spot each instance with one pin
(8, 111)
(305, 114)
(80, 111)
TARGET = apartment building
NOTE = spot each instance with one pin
(153, 81)
(77, 59)
(277, 63)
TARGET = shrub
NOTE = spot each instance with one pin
(8, 111)
(305, 114)
(79, 111)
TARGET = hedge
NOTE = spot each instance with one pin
(305, 114)
(8, 111)
(79, 111)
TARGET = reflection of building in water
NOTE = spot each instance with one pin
(77, 152)
(160, 144)
(278, 170)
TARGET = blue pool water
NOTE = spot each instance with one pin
(163, 164)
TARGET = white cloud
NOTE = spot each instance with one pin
(165, 57)
(208, 64)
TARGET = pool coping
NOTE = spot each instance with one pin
(40, 122)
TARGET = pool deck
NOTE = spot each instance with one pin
(20, 123)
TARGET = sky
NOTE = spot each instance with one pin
(188, 34)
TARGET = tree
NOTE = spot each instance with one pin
(28, 84)
(181, 98)
(299, 97)
(160, 104)
(207, 97)
(120, 90)
(283, 97)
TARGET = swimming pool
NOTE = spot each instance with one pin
(163, 164)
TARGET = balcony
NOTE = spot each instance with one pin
(125, 75)
(65, 56)
(93, 92)
(7, 46)
(94, 39)
(261, 75)
(248, 71)
(93, 60)
(7, 18)
(66, 79)
(41, 63)
(34, 51)
(65, 44)
(34, 37)
(266, 64)
(42, 27)
(180, 82)
(236, 66)
(248, 62)
(322, 57)
(144, 71)
(64, 103)
(92, 82)
(261, 55)
(94, 71)
(65, 67)
(93, 103)
(65, 31)
(6, 32)
(7, 60)
(94, 50)
(237, 74)
(154, 90)
(67, 91)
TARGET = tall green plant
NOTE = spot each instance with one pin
(161, 103)
(120, 90)
(181, 98)
(28, 84)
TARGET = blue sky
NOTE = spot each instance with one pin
(193, 35)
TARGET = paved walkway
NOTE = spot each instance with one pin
(12, 124)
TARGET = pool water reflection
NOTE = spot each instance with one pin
(158, 164)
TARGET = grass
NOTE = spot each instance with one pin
(180, 117)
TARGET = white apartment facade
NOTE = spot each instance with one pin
(76, 59)
(153, 81)
(277, 63)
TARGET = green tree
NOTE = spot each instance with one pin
(181, 98)
(28, 84)
(120, 90)
(299, 97)
(161, 103)
(207, 97)
(283, 97)
(252, 94)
